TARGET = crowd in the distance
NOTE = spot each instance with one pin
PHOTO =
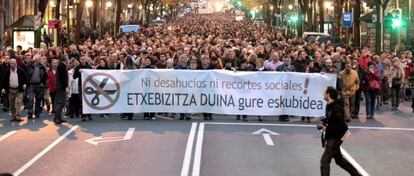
(48, 79)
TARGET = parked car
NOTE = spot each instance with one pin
(312, 36)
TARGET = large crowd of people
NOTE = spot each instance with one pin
(47, 80)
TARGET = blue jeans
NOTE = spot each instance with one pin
(35, 93)
(370, 102)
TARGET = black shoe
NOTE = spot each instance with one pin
(29, 117)
(188, 118)
(303, 119)
(123, 116)
(261, 119)
(347, 120)
(63, 120)
(57, 122)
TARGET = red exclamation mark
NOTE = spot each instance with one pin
(305, 91)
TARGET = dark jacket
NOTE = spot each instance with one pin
(42, 71)
(285, 68)
(77, 74)
(62, 77)
(336, 127)
(3, 69)
(5, 84)
(300, 65)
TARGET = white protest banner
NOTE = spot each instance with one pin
(208, 91)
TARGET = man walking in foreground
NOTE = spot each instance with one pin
(335, 129)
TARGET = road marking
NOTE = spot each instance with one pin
(268, 140)
(200, 136)
(358, 167)
(308, 126)
(266, 135)
(96, 140)
(44, 151)
(189, 150)
(198, 150)
(7, 135)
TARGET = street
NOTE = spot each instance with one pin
(222, 147)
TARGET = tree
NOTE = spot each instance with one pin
(42, 7)
(79, 12)
(94, 14)
(118, 16)
(321, 16)
(306, 8)
(357, 31)
(338, 6)
(57, 9)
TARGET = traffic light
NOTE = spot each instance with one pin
(294, 18)
(396, 19)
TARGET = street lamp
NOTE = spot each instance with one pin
(140, 7)
(89, 4)
(52, 4)
(108, 4)
(290, 7)
(219, 6)
(130, 6)
(271, 7)
(328, 5)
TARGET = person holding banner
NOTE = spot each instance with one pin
(285, 67)
(147, 64)
(129, 65)
(243, 67)
(77, 74)
(205, 65)
(182, 65)
(103, 65)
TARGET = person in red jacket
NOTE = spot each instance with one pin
(51, 77)
(364, 60)
(371, 74)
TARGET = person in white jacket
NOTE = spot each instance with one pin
(73, 91)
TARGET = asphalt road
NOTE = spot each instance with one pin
(222, 147)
